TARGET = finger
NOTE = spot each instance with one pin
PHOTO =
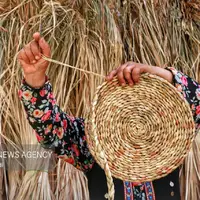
(35, 50)
(136, 72)
(110, 76)
(36, 36)
(29, 54)
(44, 47)
(120, 74)
(23, 57)
(127, 75)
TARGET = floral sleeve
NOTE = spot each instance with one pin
(55, 129)
(190, 90)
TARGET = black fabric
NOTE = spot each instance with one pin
(163, 189)
(98, 186)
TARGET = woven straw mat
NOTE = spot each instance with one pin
(139, 133)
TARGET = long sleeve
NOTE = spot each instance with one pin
(190, 90)
(54, 128)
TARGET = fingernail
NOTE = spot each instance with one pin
(131, 84)
(34, 61)
(37, 57)
(123, 84)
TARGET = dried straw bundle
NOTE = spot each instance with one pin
(78, 37)
(159, 33)
(191, 9)
(96, 36)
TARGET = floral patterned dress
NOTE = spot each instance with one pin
(64, 134)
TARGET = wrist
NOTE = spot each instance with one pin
(35, 80)
(163, 73)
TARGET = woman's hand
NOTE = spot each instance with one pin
(130, 73)
(30, 58)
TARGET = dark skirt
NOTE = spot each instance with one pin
(163, 190)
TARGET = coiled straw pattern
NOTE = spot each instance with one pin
(139, 133)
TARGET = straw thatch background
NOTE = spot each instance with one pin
(94, 35)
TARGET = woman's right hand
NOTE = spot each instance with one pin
(30, 58)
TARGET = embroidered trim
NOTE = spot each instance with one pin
(149, 190)
(128, 192)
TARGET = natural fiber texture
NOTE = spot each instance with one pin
(95, 36)
(78, 38)
(139, 133)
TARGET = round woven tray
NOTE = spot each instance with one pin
(139, 133)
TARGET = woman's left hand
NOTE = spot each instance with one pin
(130, 72)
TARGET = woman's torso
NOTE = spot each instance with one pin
(166, 188)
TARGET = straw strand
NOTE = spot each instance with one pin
(67, 65)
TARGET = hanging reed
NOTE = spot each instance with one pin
(92, 36)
